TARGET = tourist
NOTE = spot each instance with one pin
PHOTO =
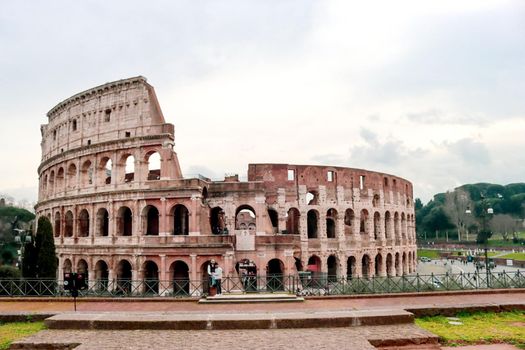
(211, 271)
(218, 279)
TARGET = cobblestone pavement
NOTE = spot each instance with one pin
(383, 302)
(354, 338)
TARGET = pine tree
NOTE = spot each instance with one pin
(45, 246)
(29, 260)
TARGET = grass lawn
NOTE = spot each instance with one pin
(10, 332)
(479, 328)
(428, 253)
(517, 256)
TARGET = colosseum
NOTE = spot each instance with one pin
(111, 184)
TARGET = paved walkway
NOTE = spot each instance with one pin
(50, 305)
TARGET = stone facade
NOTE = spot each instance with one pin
(111, 184)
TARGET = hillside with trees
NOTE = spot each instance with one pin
(11, 219)
(458, 215)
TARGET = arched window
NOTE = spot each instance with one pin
(245, 218)
(150, 217)
(151, 277)
(129, 168)
(363, 222)
(378, 265)
(292, 221)
(101, 275)
(57, 224)
(312, 198)
(349, 221)
(69, 224)
(388, 225)
(181, 279)
(86, 176)
(365, 266)
(124, 222)
(377, 225)
(52, 182)
(181, 220)
(351, 267)
(124, 277)
(274, 219)
(154, 161)
(217, 220)
(331, 219)
(71, 176)
(105, 170)
(312, 220)
(331, 263)
(102, 222)
(60, 180)
(83, 223)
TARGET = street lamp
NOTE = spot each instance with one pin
(22, 237)
(486, 211)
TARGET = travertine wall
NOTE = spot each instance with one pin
(118, 217)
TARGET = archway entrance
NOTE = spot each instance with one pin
(274, 277)
(350, 268)
(151, 278)
(124, 277)
(248, 272)
(332, 268)
(101, 276)
(181, 278)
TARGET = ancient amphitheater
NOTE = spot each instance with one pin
(111, 184)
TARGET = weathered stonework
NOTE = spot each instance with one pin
(116, 216)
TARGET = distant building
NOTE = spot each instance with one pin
(117, 216)
(2, 202)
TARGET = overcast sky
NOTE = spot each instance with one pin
(433, 91)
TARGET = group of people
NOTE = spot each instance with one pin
(215, 276)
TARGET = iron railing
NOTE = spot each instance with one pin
(316, 284)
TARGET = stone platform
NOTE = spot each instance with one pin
(251, 298)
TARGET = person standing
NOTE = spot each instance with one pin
(211, 275)
(218, 279)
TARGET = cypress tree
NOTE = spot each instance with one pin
(45, 246)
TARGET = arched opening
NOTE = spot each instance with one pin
(124, 276)
(67, 266)
(312, 198)
(311, 223)
(69, 224)
(102, 222)
(274, 219)
(292, 221)
(274, 277)
(151, 278)
(396, 226)
(331, 219)
(204, 195)
(314, 266)
(82, 267)
(365, 266)
(331, 263)
(350, 267)
(150, 216)
(181, 277)
(83, 223)
(57, 224)
(60, 180)
(363, 222)
(153, 160)
(404, 264)
(181, 220)
(129, 166)
(378, 265)
(397, 263)
(377, 225)
(52, 182)
(349, 221)
(101, 275)
(86, 174)
(403, 226)
(375, 201)
(217, 220)
(124, 222)
(245, 218)
(106, 168)
(71, 176)
(388, 225)
(389, 265)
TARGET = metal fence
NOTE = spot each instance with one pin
(316, 284)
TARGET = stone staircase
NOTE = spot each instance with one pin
(238, 298)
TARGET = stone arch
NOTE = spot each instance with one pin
(71, 176)
(52, 182)
(86, 174)
(388, 225)
(389, 265)
(403, 226)
(375, 200)
(69, 222)
(124, 221)
(292, 221)
(154, 161)
(274, 219)
(82, 267)
(377, 225)
(180, 216)
(332, 264)
(274, 275)
(351, 267)
(378, 265)
(331, 223)
(397, 264)
(396, 226)
(102, 222)
(60, 180)
(404, 263)
(67, 266)
(349, 221)
(128, 163)
(314, 266)
(151, 277)
(105, 171)
(217, 220)
(312, 197)
(312, 220)
(245, 218)
(366, 266)
(44, 185)
(83, 223)
(101, 275)
(150, 219)
(363, 222)
(179, 271)
(57, 224)
(124, 276)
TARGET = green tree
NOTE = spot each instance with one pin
(45, 244)
(9, 272)
(29, 260)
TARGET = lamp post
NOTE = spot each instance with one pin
(486, 211)
(22, 237)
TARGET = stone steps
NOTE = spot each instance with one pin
(233, 298)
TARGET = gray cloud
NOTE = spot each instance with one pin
(470, 151)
